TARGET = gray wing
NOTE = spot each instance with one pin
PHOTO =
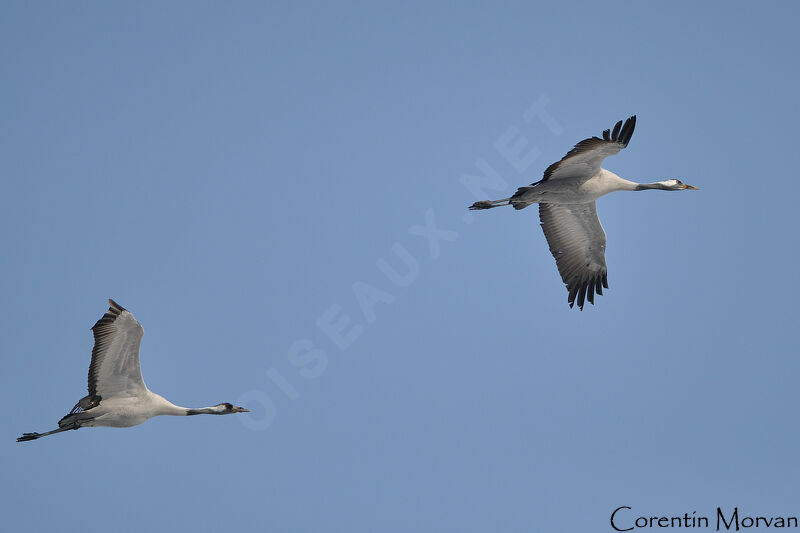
(587, 156)
(114, 370)
(577, 241)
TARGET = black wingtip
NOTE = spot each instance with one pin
(582, 292)
(582, 296)
(627, 130)
(115, 305)
(573, 291)
(615, 133)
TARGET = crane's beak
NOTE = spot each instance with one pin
(690, 187)
(237, 409)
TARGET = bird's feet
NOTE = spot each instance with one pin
(483, 204)
(28, 436)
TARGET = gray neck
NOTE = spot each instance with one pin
(161, 406)
(203, 411)
(646, 186)
(610, 182)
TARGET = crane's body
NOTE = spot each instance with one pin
(566, 196)
(118, 396)
(574, 190)
(127, 411)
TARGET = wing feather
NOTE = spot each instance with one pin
(577, 241)
(587, 156)
(115, 370)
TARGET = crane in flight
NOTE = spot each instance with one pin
(117, 395)
(566, 196)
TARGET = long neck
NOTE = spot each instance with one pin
(162, 406)
(203, 411)
(654, 185)
(611, 182)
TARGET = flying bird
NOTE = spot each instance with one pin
(117, 395)
(566, 196)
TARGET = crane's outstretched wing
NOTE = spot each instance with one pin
(587, 156)
(577, 240)
(114, 370)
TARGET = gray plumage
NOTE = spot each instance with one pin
(118, 396)
(566, 196)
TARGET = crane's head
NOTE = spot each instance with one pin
(676, 185)
(228, 408)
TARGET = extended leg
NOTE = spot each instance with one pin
(488, 204)
(34, 436)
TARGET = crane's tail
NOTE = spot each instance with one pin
(76, 419)
(518, 199)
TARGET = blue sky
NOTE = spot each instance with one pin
(243, 176)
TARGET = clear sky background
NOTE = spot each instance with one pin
(238, 175)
